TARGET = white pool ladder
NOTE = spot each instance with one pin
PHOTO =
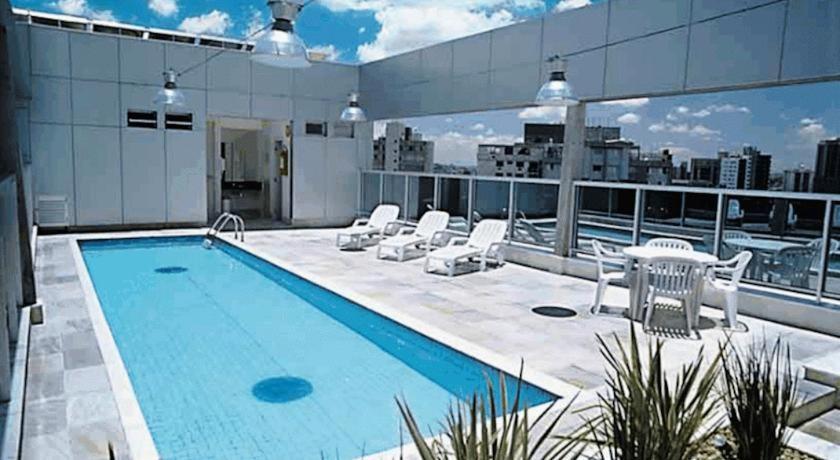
(221, 223)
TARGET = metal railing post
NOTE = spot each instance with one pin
(381, 187)
(573, 220)
(470, 185)
(719, 220)
(510, 212)
(436, 194)
(359, 193)
(826, 251)
(405, 200)
(637, 214)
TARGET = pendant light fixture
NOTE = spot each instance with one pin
(353, 112)
(557, 91)
(279, 46)
(170, 95)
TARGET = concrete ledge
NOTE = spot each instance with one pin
(13, 420)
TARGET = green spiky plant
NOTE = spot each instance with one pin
(759, 394)
(648, 413)
(482, 429)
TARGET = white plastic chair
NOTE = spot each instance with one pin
(485, 242)
(726, 249)
(382, 218)
(669, 243)
(734, 268)
(430, 228)
(603, 258)
(791, 264)
(676, 279)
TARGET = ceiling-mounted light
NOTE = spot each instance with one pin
(557, 91)
(170, 94)
(280, 46)
(353, 112)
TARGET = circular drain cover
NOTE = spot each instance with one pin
(554, 312)
(281, 389)
(170, 270)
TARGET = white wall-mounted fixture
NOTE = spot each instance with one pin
(557, 91)
(353, 112)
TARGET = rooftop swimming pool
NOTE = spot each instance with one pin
(232, 357)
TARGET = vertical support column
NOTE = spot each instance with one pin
(682, 209)
(825, 251)
(436, 196)
(719, 220)
(571, 169)
(511, 211)
(360, 192)
(638, 210)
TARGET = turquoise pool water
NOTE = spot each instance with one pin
(232, 357)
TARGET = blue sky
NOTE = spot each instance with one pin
(786, 122)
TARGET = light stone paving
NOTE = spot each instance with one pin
(70, 404)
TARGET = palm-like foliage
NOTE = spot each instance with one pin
(482, 429)
(645, 415)
(759, 394)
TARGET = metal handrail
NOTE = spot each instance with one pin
(222, 221)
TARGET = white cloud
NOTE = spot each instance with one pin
(256, 23)
(682, 110)
(362, 30)
(81, 8)
(703, 113)
(329, 51)
(700, 130)
(629, 103)
(165, 8)
(629, 118)
(545, 113)
(215, 23)
(565, 5)
(809, 121)
(478, 127)
(405, 28)
(684, 128)
(728, 108)
(811, 130)
(458, 148)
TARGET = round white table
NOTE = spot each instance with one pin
(644, 254)
(760, 244)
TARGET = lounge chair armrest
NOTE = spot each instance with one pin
(496, 249)
(458, 241)
(360, 222)
(406, 231)
(391, 228)
(440, 238)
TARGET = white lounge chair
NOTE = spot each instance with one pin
(384, 216)
(485, 240)
(431, 228)
(734, 268)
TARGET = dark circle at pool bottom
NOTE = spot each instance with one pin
(279, 390)
(170, 270)
(554, 312)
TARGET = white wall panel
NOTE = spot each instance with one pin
(271, 107)
(471, 92)
(650, 64)
(310, 181)
(471, 55)
(342, 167)
(325, 81)
(229, 71)
(308, 110)
(143, 176)
(230, 104)
(182, 57)
(437, 61)
(585, 73)
(50, 100)
(97, 181)
(635, 18)
(516, 45)
(186, 167)
(96, 103)
(138, 97)
(575, 30)
(705, 9)
(50, 51)
(52, 161)
(141, 62)
(195, 103)
(94, 57)
(23, 70)
(737, 49)
(270, 80)
(812, 39)
(437, 95)
(515, 86)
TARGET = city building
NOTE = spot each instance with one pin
(827, 169)
(654, 168)
(403, 149)
(705, 172)
(798, 180)
(749, 169)
(733, 171)
(540, 154)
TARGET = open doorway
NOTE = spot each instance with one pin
(248, 169)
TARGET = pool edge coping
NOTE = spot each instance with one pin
(137, 434)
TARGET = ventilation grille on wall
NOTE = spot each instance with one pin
(179, 121)
(52, 211)
(315, 129)
(142, 119)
